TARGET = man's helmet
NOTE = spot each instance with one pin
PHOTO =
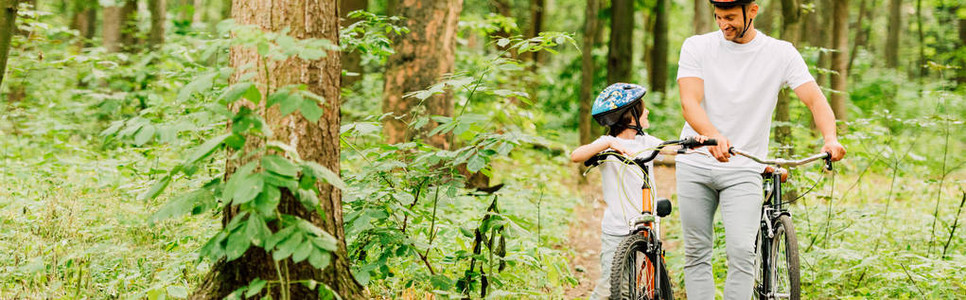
(616, 100)
(730, 3)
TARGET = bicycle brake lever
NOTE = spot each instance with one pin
(828, 161)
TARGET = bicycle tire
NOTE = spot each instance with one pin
(784, 263)
(630, 256)
(760, 291)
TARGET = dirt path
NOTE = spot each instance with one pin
(584, 233)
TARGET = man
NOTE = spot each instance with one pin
(729, 82)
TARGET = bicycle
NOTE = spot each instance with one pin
(777, 274)
(639, 271)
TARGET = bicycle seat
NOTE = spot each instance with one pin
(770, 169)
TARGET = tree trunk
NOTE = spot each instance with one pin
(892, 40)
(314, 141)
(658, 68)
(422, 56)
(352, 59)
(111, 30)
(791, 21)
(536, 25)
(129, 28)
(588, 71)
(8, 18)
(961, 79)
(861, 34)
(921, 62)
(156, 36)
(84, 20)
(702, 17)
(766, 16)
(840, 61)
(620, 60)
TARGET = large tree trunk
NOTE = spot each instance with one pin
(156, 35)
(84, 20)
(702, 17)
(422, 56)
(620, 60)
(314, 141)
(658, 68)
(8, 18)
(892, 39)
(352, 59)
(840, 61)
(791, 21)
(588, 71)
(111, 30)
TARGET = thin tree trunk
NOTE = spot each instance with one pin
(156, 35)
(8, 18)
(200, 12)
(861, 34)
(892, 40)
(702, 17)
(129, 28)
(921, 65)
(840, 32)
(314, 141)
(766, 16)
(588, 71)
(620, 60)
(962, 44)
(791, 21)
(352, 59)
(658, 68)
(422, 57)
(84, 20)
(536, 25)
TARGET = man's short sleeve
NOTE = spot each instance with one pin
(689, 65)
(796, 72)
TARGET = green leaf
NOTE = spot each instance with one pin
(279, 165)
(303, 251)
(243, 186)
(257, 229)
(288, 246)
(309, 199)
(144, 135)
(255, 287)
(279, 236)
(182, 204)
(213, 248)
(319, 259)
(203, 82)
(267, 201)
(238, 243)
(320, 172)
(289, 103)
(177, 291)
(475, 163)
(234, 92)
(325, 241)
(311, 110)
(253, 94)
(204, 150)
(156, 189)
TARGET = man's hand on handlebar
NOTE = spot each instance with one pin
(720, 152)
(834, 148)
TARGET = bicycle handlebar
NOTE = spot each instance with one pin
(784, 162)
(687, 143)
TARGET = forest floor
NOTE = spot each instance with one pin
(584, 234)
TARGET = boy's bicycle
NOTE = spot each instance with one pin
(638, 270)
(777, 274)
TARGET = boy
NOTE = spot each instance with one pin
(620, 107)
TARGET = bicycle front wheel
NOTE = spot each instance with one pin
(785, 273)
(634, 271)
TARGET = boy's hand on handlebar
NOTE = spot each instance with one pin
(834, 148)
(619, 148)
(720, 152)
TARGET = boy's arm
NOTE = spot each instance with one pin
(585, 152)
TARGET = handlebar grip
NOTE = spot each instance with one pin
(694, 143)
(828, 161)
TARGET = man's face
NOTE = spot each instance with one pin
(730, 20)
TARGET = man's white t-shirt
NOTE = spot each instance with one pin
(741, 85)
(621, 184)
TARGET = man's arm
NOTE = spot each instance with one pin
(692, 93)
(824, 118)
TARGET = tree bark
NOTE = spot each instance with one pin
(840, 61)
(156, 35)
(8, 22)
(620, 60)
(422, 56)
(658, 68)
(791, 21)
(111, 30)
(588, 71)
(892, 39)
(352, 59)
(961, 79)
(765, 22)
(702, 17)
(129, 28)
(536, 25)
(84, 20)
(861, 33)
(314, 141)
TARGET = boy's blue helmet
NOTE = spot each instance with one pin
(616, 100)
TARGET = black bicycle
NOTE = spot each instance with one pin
(777, 273)
(638, 270)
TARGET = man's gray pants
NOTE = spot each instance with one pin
(700, 192)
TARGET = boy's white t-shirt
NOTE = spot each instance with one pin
(741, 85)
(621, 184)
